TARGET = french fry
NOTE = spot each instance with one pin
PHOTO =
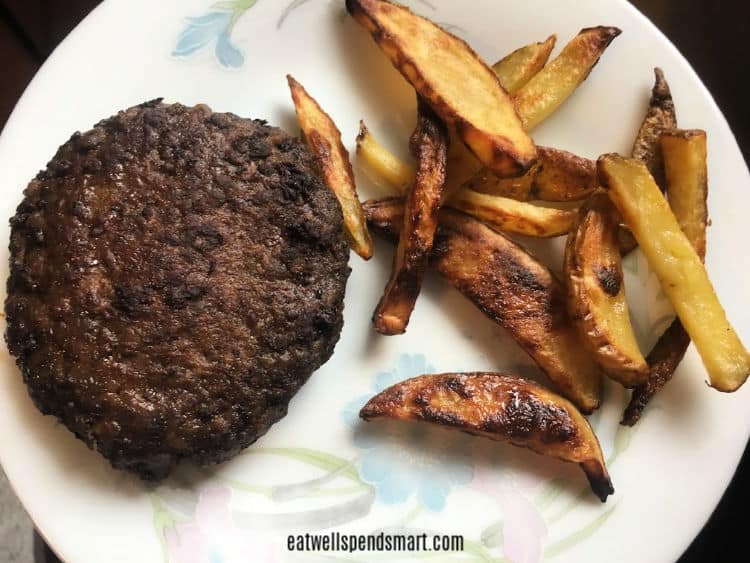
(442, 69)
(510, 287)
(502, 408)
(685, 155)
(501, 212)
(517, 68)
(596, 293)
(679, 269)
(660, 117)
(546, 91)
(324, 140)
(511, 216)
(429, 145)
(558, 176)
(396, 173)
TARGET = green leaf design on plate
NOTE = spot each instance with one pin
(492, 535)
(316, 458)
(550, 493)
(577, 537)
(163, 520)
(288, 10)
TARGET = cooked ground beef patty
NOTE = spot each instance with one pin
(175, 276)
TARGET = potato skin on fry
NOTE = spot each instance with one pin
(596, 293)
(324, 140)
(454, 80)
(663, 360)
(429, 145)
(660, 117)
(557, 176)
(502, 408)
(512, 288)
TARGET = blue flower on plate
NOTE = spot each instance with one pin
(400, 459)
(216, 26)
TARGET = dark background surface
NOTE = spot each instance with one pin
(711, 34)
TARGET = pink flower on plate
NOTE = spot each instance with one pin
(211, 537)
(524, 530)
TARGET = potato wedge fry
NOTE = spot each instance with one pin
(679, 269)
(429, 145)
(396, 173)
(544, 93)
(511, 216)
(324, 140)
(596, 294)
(442, 69)
(660, 117)
(558, 176)
(502, 408)
(687, 188)
(512, 288)
(517, 68)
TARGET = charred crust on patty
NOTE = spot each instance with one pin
(176, 275)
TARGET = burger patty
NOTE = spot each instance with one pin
(176, 275)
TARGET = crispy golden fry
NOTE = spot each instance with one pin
(679, 269)
(596, 293)
(544, 93)
(429, 145)
(454, 80)
(512, 288)
(502, 408)
(660, 117)
(687, 188)
(517, 68)
(324, 140)
(558, 176)
(511, 216)
(396, 173)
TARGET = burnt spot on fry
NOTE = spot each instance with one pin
(458, 386)
(500, 407)
(610, 279)
(442, 417)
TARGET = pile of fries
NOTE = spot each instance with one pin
(475, 179)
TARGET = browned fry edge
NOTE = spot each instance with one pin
(670, 349)
(513, 289)
(500, 407)
(321, 148)
(429, 145)
(505, 157)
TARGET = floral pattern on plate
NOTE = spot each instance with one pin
(411, 470)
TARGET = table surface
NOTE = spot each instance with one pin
(712, 35)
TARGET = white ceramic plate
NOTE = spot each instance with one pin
(319, 469)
